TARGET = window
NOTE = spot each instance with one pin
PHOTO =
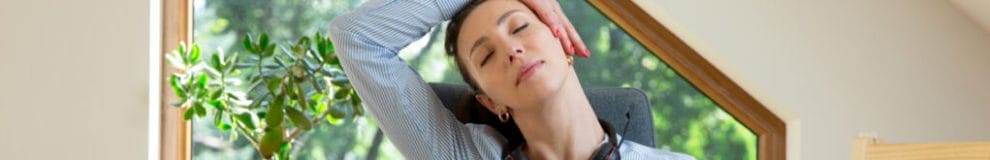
(630, 49)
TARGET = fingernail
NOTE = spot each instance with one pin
(570, 49)
(556, 32)
(587, 52)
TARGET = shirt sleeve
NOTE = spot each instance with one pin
(633, 150)
(367, 42)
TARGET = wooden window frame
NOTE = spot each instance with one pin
(175, 140)
(176, 26)
(769, 129)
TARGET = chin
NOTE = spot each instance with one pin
(540, 88)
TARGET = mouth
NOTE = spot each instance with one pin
(528, 69)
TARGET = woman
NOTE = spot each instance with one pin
(514, 61)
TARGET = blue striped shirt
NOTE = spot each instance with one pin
(367, 42)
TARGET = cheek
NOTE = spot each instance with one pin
(498, 85)
(494, 78)
(546, 48)
(543, 43)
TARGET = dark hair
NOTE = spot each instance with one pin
(470, 110)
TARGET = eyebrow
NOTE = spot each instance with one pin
(483, 39)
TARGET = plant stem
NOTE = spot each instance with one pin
(315, 122)
(376, 144)
(254, 142)
(223, 88)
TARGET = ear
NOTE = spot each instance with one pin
(487, 103)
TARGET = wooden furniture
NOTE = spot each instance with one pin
(869, 148)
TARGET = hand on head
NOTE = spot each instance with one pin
(550, 13)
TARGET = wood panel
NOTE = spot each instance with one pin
(875, 149)
(175, 132)
(770, 129)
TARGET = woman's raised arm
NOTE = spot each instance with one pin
(367, 41)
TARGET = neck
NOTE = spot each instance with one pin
(565, 127)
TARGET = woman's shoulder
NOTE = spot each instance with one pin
(633, 150)
(486, 140)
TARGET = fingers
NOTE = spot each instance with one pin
(550, 13)
(543, 10)
(576, 42)
(565, 41)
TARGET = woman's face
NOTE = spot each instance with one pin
(512, 55)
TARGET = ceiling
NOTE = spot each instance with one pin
(977, 10)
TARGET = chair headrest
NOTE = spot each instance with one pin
(610, 104)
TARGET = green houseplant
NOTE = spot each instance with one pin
(271, 95)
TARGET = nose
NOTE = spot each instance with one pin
(515, 53)
(511, 47)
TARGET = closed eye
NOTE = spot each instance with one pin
(489, 56)
(517, 30)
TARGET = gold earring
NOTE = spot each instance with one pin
(570, 60)
(504, 117)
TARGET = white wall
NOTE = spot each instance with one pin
(73, 79)
(908, 70)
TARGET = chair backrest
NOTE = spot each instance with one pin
(627, 109)
(871, 148)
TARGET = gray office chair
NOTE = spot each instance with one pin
(610, 104)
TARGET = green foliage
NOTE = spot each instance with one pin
(297, 79)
